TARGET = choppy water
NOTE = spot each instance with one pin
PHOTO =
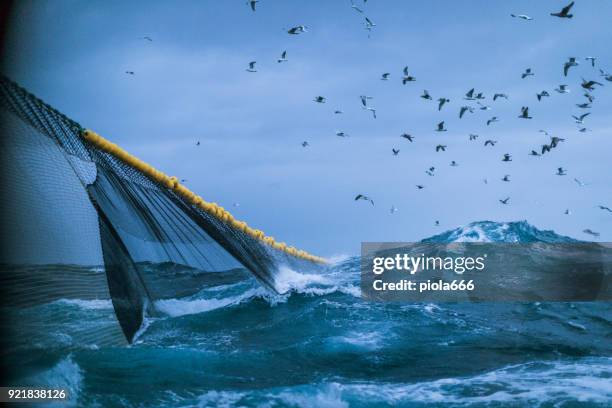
(320, 345)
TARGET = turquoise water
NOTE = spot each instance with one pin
(234, 344)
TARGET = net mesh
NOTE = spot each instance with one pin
(84, 220)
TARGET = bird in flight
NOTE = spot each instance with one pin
(252, 3)
(370, 109)
(369, 24)
(297, 30)
(354, 7)
(534, 153)
(590, 97)
(407, 77)
(129, 72)
(527, 73)
(603, 207)
(465, 109)
(440, 127)
(395, 151)
(337, 112)
(283, 57)
(473, 136)
(198, 143)
(341, 134)
(591, 232)
(506, 177)
(407, 136)
(505, 200)
(319, 99)
(385, 76)
(305, 144)
(426, 95)
(561, 171)
(365, 198)
(592, 59)
(525, 113)
(483, 107)
(585, 105)
(251, 67)
(499, 95)
(554, 141)
(440, 147)
(420, 187)
(580, 119)
(522, 17)
(562, 89)
(507, 157)
(589, 85)
(492, 120)
(542, 95)
(430, 171)
(490, 142)
(393, 209)
(441, 102)
(571, 62)
(437, 223)
(147, 38)
(564, 13)
(580, 183)
(453, 163)
(469, 95)
(567, 212)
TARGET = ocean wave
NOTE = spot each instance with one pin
(181, 307)
(65, 374)
(92, 304)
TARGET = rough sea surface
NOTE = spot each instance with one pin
(320, 345)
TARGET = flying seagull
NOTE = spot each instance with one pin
(527, 73)
(395, 151)
(430, 171)
(506, 177)
(591, 232)
(305, 144)
(198, 143)
(453, 163)
(319, 99)
(341, 134)
(129, 72)
(525, 113)
(426, 95)
(590, 97)
(370, 109)
(385, 76)
(499, 95)
(440, 127)
(580, 183)
(465, 109)
(567, 212)
(542, 95)
(364, 99)
(147, 38)
(420, 187)
(469, 95)
(564, 13)
(507, 157)
(473, 136)
(562, 89)
(440, 147)
(437, 223)
(441, 102)
(490, 142)
(561, 171)
(534, 153)
(570, 63)
(283, 57)
(592, 59)
(252, 3)
(407, 136)
(522, 16)
(585, 105)
(580, 119)
(354, 7)
(393, 209)
(365, 198)
(603, 207)
(492, 120)
(554, 141)
(297, 30)
(407, 77)
(369, 24)
(483, 107)
(589, 85)
(251, 67)
(505, 200)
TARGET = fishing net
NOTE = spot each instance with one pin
(83, 219)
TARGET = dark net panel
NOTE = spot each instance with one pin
(153, 243)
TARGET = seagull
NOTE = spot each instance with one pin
(479, 96)
(583, 130)
(483, 107)
(319, 99)
(607, 77)
(129, 72)
(305, 144)
(252, 3)
(590, 97)
(534, 153)
(426, 95)
(354, 7)
(545, 148)
(365, 198)
(570, 63)
(589, 85)
(371, 110)
(567, 212)
(297, 30)
(485, 181)
(505, 200)
(441, 127)
(580, 183)
(592, 59)
(554, 141)
(473, 136)
(437, 223)
(407, 77)
(393, 209)
(147, 38)
(385, 76)
(527, 73)
(507, 157)
(420, 187)
(492, 120)
(506, 178)
(341, 134)
(585, 105)
(561, 171)
(283, 57)
(564, 13)
(395, 151)
(562, 89)
(465, 109)
(525, 113)
(490, 142)
(591, 232)
(543, 131)
(198, 143)
(542, 94)
(337, 112)
(236, 204)
(500, 95)
(580, 119)
(453, 163)
(369, 24)
(469, 95)
(440, 147)
(251, 67)
(603, 207)
(430, 171)
(522, 16)
(364, 99)
(441, 102)
(407, 136)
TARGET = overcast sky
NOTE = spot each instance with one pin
(190, 85)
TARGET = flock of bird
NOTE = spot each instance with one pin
(474, 101)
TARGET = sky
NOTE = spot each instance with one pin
(191, 84)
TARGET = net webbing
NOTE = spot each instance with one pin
(75, 198)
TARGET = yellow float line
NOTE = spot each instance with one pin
(173, 184)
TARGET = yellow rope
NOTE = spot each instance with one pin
(211, 208)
